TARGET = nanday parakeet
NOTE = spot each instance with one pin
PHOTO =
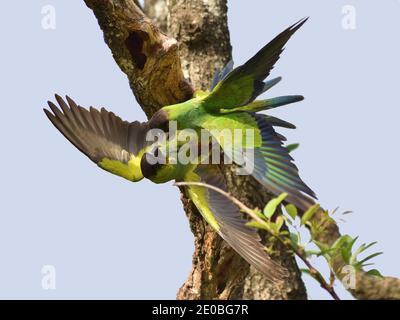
(120, 148)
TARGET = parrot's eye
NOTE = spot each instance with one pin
(149, 165)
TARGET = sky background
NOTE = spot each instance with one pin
(108, 238)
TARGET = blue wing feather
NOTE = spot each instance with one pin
(220, 75)
(274, 167)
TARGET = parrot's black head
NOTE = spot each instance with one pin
(149, 164)
(159, 120)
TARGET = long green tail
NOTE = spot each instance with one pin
(260, 105)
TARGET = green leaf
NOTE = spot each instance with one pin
(338, 243)
(351, 243)
(345, 245)
(272, 205)
(273, 228)
(347, 212)
(291, 210)
(322, 246)
(257, 225)
(259, 214)
(344, 240)
(358, 266)
(279, 223)
(365, 247)
(294, 238)
(360, 250)
(370, 257)
(292, 147)
(309, 214)
(346, 254)
(375, 273)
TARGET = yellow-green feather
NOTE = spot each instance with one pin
(198, 196)
(228, 96)
(235, 121)
(130, 171)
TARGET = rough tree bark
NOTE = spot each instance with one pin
(160, 73)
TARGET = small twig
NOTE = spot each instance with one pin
(317, 276)
(332, 278)
(313, 271)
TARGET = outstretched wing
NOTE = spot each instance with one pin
(113, 144)
(220, 75)
(273, 167)
(229, 222)
(245, 83)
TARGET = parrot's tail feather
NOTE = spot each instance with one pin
(273, 103)
(268, 104)
(276, 122)
(271, 83)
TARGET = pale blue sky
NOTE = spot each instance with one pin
(108, 238)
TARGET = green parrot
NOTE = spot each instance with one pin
(122, 148)
(231, 105)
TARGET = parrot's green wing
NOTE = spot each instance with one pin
(229, 222)
(242, 85)
(113, 144)
(273, 167)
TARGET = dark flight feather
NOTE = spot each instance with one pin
(98, 134)
(242, 85)
(274, 167)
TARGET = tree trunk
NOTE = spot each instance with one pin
(201, 29)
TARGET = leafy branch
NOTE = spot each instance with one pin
(271, 221)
